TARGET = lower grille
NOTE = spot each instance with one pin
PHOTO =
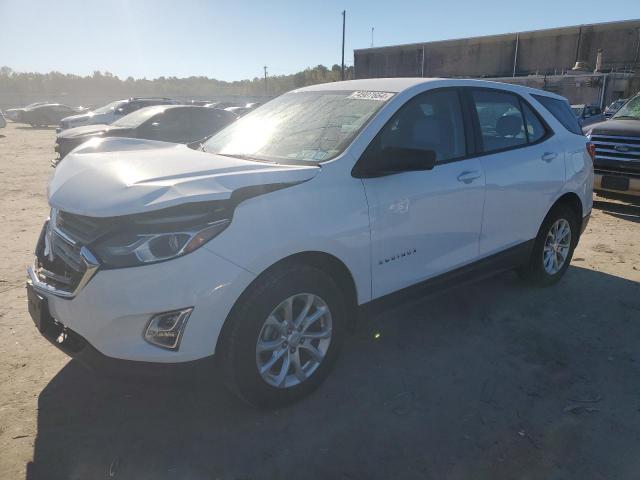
(616, 173)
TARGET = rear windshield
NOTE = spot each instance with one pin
(561, 110)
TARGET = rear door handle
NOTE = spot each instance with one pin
(468, 176)
(548, 156)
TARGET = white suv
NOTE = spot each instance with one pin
(263, 245)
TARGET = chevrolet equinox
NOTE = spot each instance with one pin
(262, 244)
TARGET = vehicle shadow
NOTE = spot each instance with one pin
(623, 211)
(469, 384)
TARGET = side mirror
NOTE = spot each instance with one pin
(392, 160)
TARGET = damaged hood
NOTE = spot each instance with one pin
(122, 176)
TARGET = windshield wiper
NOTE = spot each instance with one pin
(631, 117)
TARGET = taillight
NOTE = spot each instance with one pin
(591, 148)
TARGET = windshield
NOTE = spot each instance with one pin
(630, 110)
(617, 104)
(299, 126)
(110, 107)
(577, 111)
(137, 118)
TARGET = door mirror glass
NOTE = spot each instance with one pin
(392, 160)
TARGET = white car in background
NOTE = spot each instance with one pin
(111, 112)
(262, 246)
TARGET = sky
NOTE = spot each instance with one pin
(234, 39)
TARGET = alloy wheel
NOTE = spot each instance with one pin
(556, 246)
(294, 340)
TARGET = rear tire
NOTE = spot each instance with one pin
(553, 248)
(259, 329)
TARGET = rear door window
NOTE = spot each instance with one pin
(561, 110)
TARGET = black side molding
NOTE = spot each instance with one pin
(487, 267)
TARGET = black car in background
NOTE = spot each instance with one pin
(47, 114)
(167, 123)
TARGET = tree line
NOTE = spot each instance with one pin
(105, 83)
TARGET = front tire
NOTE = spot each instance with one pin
(553, 248)
(283, 336)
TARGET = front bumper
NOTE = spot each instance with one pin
(630, 188)
(76, 347)
(112, 310)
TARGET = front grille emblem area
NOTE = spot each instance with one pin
(621, 148)
(48, 239)
(63, 265)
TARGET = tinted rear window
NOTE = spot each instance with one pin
(562, 111)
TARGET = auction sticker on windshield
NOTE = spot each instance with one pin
(368, 95)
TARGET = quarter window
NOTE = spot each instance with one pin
(535, 128)
(501, 120)
(430, 121)
(561, 110)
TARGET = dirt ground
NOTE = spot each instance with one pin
(491, 381)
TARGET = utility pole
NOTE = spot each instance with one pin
(344, 18)
(372, 37)
(265, 80)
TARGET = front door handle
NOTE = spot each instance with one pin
(468, 176)
(548, 156)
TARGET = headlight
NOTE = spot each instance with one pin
(156, 236)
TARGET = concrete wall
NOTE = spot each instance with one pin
(598, 89)
(549, 51)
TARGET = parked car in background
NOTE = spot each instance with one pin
(243, 110)
(239, 111)
(261, 247)
(3, 122)
(167, 123)
(614, 107)
(617, 150)
(15, 114)
(47, 114)
(221, 105)
(199, 103)
(587, 114)
(112, 111)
